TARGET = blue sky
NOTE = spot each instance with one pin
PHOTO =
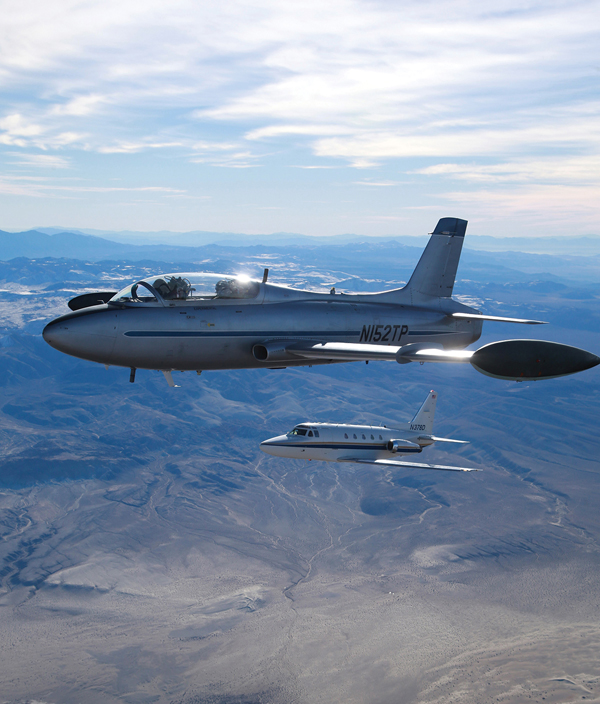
(373, 118)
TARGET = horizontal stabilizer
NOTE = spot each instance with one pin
(498, 319)
(435, 439)
(415, 465)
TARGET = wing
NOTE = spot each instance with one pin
(357, 351)
(498, 319)
(513, 360)
(416, 465)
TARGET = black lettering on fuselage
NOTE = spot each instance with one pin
(382, 333)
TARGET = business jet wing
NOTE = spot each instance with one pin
(415, 465)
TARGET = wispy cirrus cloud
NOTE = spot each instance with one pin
(583, 169)
(377, 184)
(41, 187)
(448, 93)
(135, 147)
(548, 208)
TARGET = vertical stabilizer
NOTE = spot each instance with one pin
(435, 273)
(423, 420)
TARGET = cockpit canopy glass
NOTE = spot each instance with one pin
(188, 287)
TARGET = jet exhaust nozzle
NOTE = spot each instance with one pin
(272, 351)
(529, 360)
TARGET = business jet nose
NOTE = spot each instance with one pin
(89, 335)
(274, 446)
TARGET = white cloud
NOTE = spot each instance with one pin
(313, 166)
(510, 88)
(574, 207)
(214, 146)
(19, 126)
(378, 184)
(47, 161)
(347, 68)
(79, 106)
(17, 130)
(134, 147)
(294, 129)
(582, 169)
(43, 187)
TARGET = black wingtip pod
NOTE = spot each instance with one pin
(530, 360)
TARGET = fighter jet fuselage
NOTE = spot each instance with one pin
(192, 321)
(215, 333)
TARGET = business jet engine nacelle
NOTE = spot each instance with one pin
(403, 446)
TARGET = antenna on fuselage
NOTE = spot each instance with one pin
(265, 276)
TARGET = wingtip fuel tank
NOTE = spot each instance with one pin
(530, 360)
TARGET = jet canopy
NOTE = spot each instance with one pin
(187, 287)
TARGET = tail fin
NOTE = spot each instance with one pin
(423, 420)
(435, 273)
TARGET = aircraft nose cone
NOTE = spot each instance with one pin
(49, 334)
(89, 336)
(272, 446)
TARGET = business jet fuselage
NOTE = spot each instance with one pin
(363, 444)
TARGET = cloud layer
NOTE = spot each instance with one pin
(452, 95)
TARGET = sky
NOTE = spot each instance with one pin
(366, 117)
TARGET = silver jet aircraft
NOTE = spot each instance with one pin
(189, 321)
(364, 444)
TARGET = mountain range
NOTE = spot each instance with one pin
(151, 553)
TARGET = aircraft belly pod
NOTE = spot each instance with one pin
(197, 321)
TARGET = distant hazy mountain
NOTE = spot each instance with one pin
(199, 238)
(370, 261)
(34, 244)
(588, 245)
(37, 243)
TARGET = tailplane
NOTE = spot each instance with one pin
(435, 273)
(423, 420)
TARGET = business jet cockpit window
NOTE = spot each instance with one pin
(298, 431)
(188, 287)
